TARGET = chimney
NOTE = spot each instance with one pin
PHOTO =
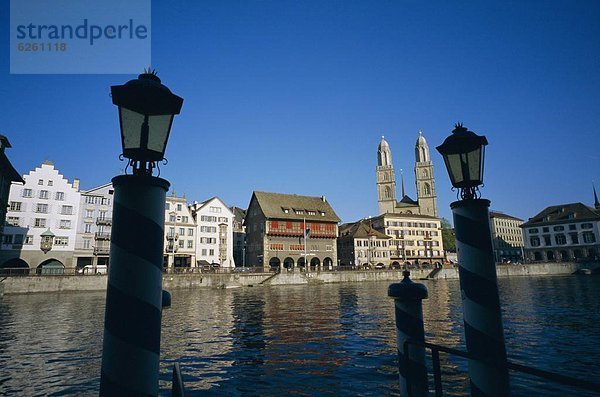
(76, 184)
(323, 198)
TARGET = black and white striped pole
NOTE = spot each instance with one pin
(408, 297)
(132, 321)
(484, 335)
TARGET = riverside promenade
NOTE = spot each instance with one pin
(66, 283)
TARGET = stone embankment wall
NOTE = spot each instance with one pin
(23, 285)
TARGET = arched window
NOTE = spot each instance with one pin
(423, 158)
(425, 174)
(426, 189)
(387, 193)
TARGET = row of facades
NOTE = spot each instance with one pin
(276, 231)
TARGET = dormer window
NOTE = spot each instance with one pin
(298, 211)
(310, 212)
(322, 213)
(285, 210)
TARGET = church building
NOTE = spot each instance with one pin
(426, 203)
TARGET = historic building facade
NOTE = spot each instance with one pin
(360, 245)
(44, 209)
(416, 239)
(426, 203)
(239, 236)
(8, 175)
(92, 244)
(288, 230)
(563, 233)
(214, 237)
(507, 237)
(180, 233)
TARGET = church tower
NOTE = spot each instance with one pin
(386, 180)
(424, 179)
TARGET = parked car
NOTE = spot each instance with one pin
(100, 269)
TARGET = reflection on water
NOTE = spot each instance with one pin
(336, 339)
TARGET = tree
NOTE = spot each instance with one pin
(448, 236)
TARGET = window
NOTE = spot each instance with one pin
(190, 231)
(60, 196)
(182, 231)
(223, 219)
(285, 210)
(14, 206)
(586, 226)
(547, 240)
(208, 229)
(558, 228)
(298, 212)
(574, 238)
(12, 220)
(28, 240)
(533, 231)
(167, 206)
(66, 210)
(50, 183)
(211, 251)
(311, 213)
(89, 213)
(65, 224)
(178, 207)
(42, 208)
(87, 228)
(27, 192)
(39, 222)
(7, 239)
(216, 210)
(204, 252)
(40, 181)
(87, 243)
(61, 241)
(560, 239)
(172, 218)
(190, 244)
(589, 237)
(185, 219)
(322, 213)
(181, 243)
(207, 218)
(44, 194)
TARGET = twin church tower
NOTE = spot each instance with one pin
(426, 203)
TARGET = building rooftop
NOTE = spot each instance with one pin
(293, 206)
(563, 213)
(360, 229)
(498, 214)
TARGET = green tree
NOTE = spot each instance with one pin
(448, 236)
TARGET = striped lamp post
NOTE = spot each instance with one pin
(408, 297)
(131, 345)
(463, 154)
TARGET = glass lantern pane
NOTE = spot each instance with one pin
(131, 125)
(158, 132)
(474, 162)
(455, 168)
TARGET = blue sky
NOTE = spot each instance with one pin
(293, 97)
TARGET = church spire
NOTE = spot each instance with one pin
(402, 177)
(596, 202)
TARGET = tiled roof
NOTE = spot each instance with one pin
(563, 213)
(496, 214)
(275, 205)
(360, 229)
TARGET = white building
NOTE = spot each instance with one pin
(180, 233)
(47, 202)
(92, 244)
(214, 237)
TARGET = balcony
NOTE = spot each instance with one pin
(102, 236)
(101, 250)
(104, 221)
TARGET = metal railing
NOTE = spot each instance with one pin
(546, 375)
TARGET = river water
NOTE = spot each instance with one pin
(331, 340)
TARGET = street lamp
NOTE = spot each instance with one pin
(134, 295)
(463, 154)
(146, 111)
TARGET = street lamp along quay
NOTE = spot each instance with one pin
(134, 295)
(463, 154)
(146, 112)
